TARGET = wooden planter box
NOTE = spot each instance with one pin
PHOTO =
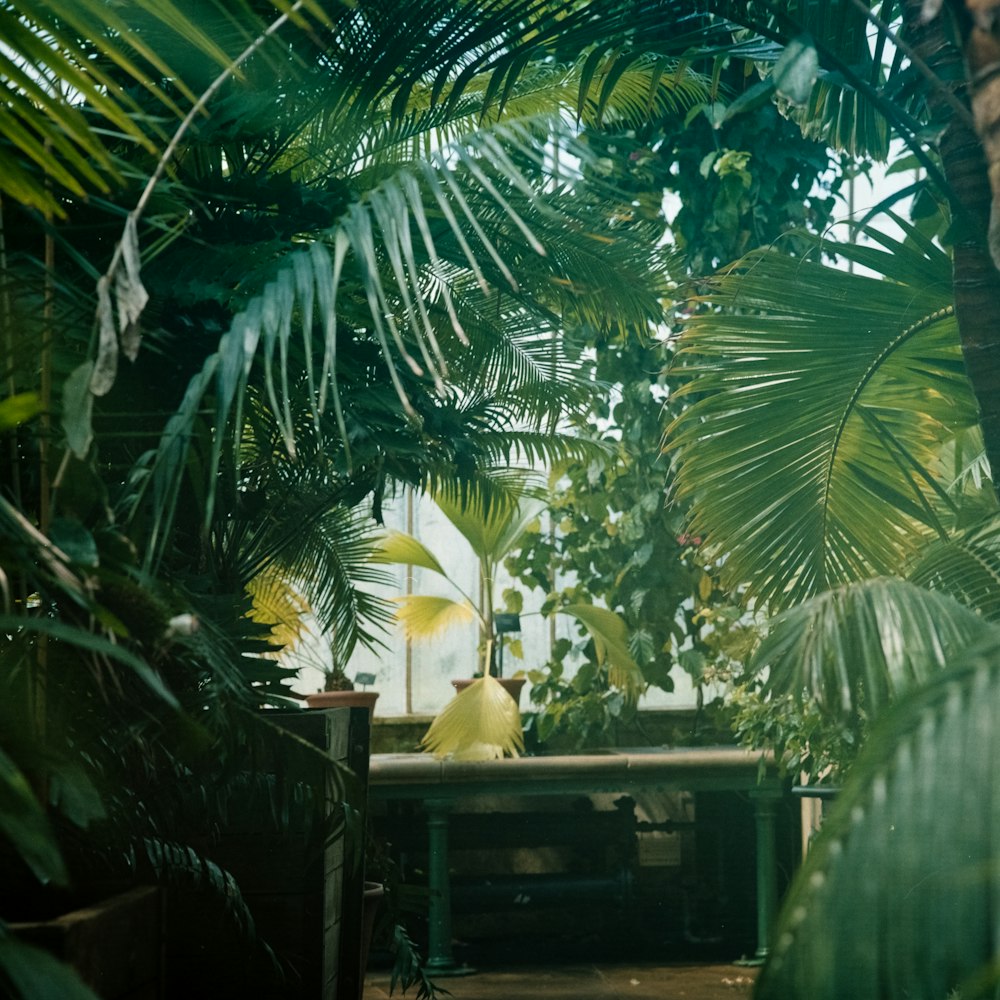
(115, 945)
(303, 891)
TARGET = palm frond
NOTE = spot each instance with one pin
(821, 401)
(480, 723)
(844, 107)
(536, 449)
(913, 810)
(315, 557)
(493, 529)
(424, 616)
(650, 86)
(966, 566)
(61, 56)
(858, 647)
(401, 548)
(387, 247)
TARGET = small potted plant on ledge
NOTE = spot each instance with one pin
(313, 642)
(483, 720)
(339, 691)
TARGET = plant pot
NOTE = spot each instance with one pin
(512, 685)
(343, 699)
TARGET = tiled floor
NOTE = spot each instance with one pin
(589, 982)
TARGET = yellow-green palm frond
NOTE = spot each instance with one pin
(278, 604)
(403, 549)
(492, 529)
(424, 616)
(482, 722)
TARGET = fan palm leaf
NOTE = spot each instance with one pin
(916, 809)
(492, 529)
(821, 399)
(424, 616)
(481, 722)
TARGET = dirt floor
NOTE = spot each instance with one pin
(590, 982)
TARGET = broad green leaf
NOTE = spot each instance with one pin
(77, 409)
(611, 641)
(24, 825)
(34, 974)
(482, 722)
(72, 792)
(75, 540)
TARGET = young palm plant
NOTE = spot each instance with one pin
(483, 721)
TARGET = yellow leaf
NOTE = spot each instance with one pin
(610, 635)
(399, 547)
(424, 616)
(482, 722)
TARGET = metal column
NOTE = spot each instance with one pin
(765, 807)
(440, 961)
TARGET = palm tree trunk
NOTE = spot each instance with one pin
(976, 278)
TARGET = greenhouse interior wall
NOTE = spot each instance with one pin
(413, 678)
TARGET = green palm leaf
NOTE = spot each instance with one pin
(862, 645)
(821, 401)
(61, 56)
(491, 529)
(917, 811)
(966, 566)
(383, 252)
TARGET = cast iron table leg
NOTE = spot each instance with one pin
(765, 806)
(440, 961)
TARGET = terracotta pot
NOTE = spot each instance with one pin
(512, 685)
(343, 699)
